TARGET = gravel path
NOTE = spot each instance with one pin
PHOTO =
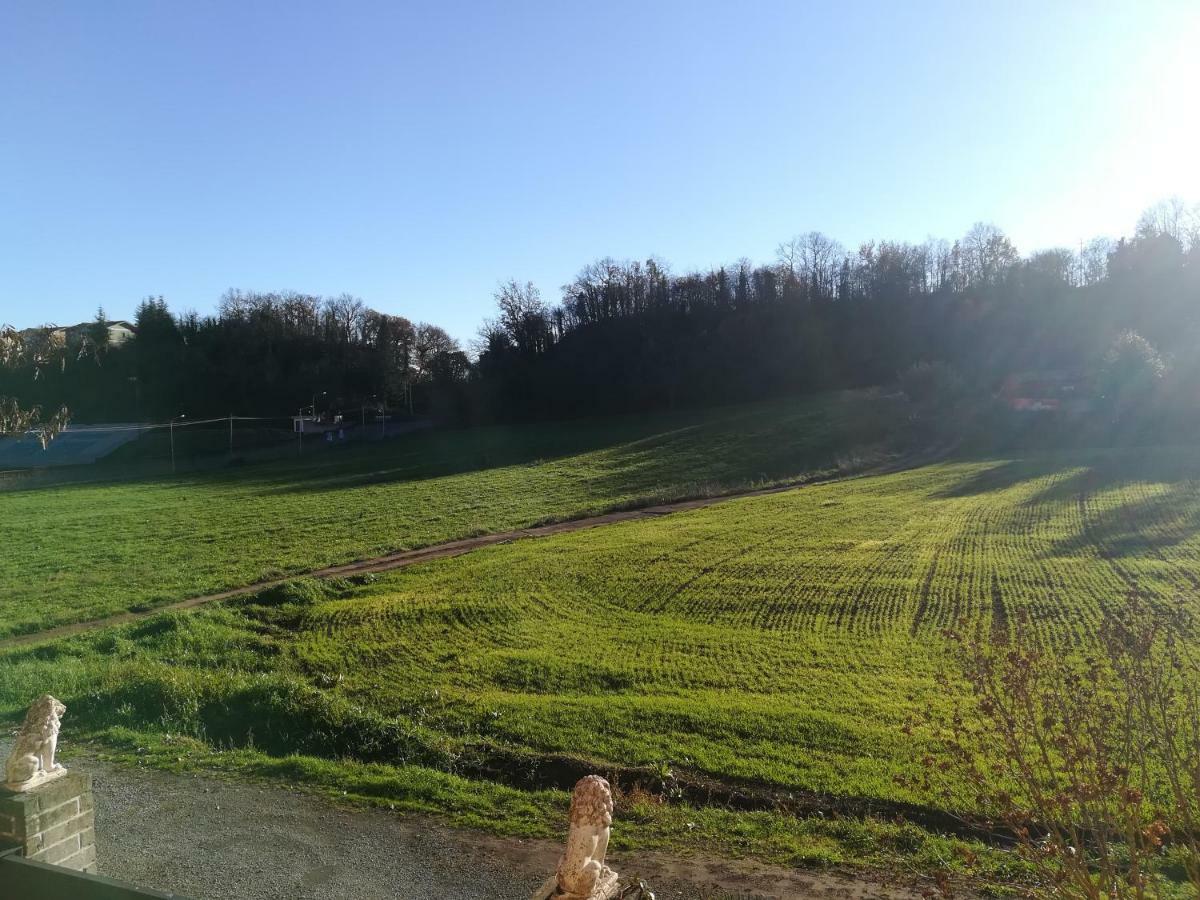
(211, 839)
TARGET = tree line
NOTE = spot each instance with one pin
(259, 354)
(632, 335)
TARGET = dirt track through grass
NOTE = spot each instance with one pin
(406, 558)
(82, 551)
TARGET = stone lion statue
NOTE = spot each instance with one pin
(582, 874)
(32, 757)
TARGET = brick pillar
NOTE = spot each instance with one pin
(52, 823)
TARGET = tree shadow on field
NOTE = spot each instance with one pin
(476, 450)
(643, 454)
(1080, 472)
(1129, 523)
(753, 451)
(1143, 525)
(414, 457)
(998, 477)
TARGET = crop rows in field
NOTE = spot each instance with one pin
(782, 638)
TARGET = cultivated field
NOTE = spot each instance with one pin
(75, 550)
(773, 646)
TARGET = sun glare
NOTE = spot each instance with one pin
(414, 416)
(1161, 145)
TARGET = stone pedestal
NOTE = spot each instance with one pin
(53, 822)
(607, 887)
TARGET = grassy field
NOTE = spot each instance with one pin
(773, 646)
(76, 549)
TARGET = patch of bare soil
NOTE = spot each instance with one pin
(707, 878)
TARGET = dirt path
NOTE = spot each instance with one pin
(404, 558)
(210, 839)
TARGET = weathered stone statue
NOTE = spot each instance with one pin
(582, 874)
(32, 759)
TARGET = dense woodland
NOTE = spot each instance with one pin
(635, 336)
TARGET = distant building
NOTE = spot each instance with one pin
(119, 331)
(318, 425)
(1045, 392)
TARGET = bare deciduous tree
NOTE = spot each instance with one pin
(986, 254)
(1174, 218)
(813, 258)
(1093, 260)
(38, 348)
(523, 316)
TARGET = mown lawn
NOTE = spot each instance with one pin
(77, 550)
(776, 644)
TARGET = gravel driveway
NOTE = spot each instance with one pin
(211, 839)
(208, 838)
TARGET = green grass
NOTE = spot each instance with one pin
(79, 549)
(775, 644)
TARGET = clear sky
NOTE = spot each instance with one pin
(417, 154)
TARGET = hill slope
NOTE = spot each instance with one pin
(76, 551)
(772, 648)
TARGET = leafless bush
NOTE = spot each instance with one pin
(1088, 761)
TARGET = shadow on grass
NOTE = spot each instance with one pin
(743, 444)
(476, 450)
(411, 457)
(643, 454)
(999, 477)
(1127, 524)
(1137, 527)
(1081, 471)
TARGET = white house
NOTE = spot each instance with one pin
(119, 331)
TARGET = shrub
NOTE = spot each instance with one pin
(1130, 373)
(1090, 762)
(933, 384)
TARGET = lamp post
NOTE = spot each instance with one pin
(374, 398)
(313, 410)
(171, 426)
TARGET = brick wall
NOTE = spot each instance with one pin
(53, 823)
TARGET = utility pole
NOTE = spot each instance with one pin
(300, 430)
(231, 437)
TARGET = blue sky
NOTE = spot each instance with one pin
(417, 154)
